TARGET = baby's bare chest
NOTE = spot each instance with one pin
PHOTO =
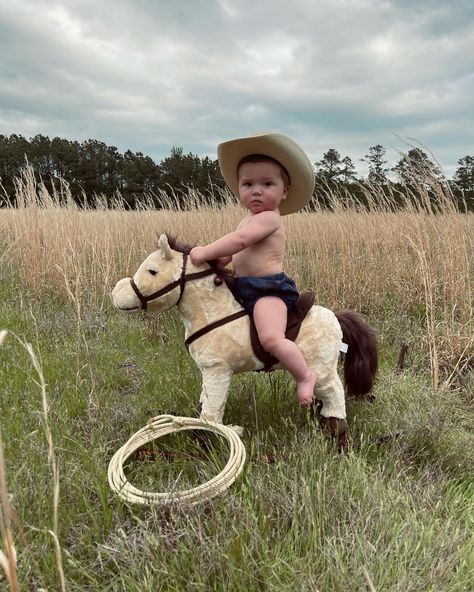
(263, 257)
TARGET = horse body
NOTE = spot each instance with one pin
(227, 350)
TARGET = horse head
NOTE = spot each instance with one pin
(156, 285)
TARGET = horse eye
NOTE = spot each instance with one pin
(152, 271)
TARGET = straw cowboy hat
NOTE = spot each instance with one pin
(281, 148)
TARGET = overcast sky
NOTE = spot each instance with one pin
(149, 74)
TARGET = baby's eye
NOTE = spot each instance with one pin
(268, 183)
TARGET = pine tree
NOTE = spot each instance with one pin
(464, 175)
(376, 161)
(332, 168)
(415, 168)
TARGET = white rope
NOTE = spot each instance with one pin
(169, 424)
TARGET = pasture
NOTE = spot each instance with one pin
(77, 379)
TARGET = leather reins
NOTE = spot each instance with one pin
(181, 282)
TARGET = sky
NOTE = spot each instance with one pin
(147, 75)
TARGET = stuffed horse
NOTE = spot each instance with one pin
(210, 311)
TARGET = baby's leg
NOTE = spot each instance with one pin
(270, 315)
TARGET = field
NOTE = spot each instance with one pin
(77, 379)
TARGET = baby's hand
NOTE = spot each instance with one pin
(223, 261)
(197, 255)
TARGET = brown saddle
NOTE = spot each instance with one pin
(295, 317)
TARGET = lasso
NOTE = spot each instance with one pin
(162, 426)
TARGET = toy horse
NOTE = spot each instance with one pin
(217, 329)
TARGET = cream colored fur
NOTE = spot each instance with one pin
(227, 350)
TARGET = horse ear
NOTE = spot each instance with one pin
(165, 247)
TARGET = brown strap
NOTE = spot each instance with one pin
(179, 282)
(214, 325)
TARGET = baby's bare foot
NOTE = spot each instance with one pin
(305, 389)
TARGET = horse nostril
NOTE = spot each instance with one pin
(152, 271)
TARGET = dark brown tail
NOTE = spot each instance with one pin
(361, 359)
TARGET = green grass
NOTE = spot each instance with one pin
(386, 516)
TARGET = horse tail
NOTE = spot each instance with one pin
(361, 359)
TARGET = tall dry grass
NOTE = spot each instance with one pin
(413, 264)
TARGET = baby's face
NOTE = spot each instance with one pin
(261, 186)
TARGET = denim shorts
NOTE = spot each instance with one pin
(250, 289)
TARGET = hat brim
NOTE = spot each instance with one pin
(281, 148)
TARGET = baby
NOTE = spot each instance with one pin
(271, 176)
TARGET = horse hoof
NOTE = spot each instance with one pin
(336, 429)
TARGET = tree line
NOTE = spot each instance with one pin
(91, 168)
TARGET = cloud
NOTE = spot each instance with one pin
(147, 75)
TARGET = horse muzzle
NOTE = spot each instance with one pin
(124, 298)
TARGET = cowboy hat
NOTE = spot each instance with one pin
(280, 148)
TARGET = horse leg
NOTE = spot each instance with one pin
(215, 387)
(331, 411)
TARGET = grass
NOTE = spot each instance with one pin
(394, 513)
(394, 516)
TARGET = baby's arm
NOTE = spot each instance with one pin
(259, 227)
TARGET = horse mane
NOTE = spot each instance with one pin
(178, 246)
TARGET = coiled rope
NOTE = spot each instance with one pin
(169, 424)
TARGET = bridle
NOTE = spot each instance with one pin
(181, 282)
